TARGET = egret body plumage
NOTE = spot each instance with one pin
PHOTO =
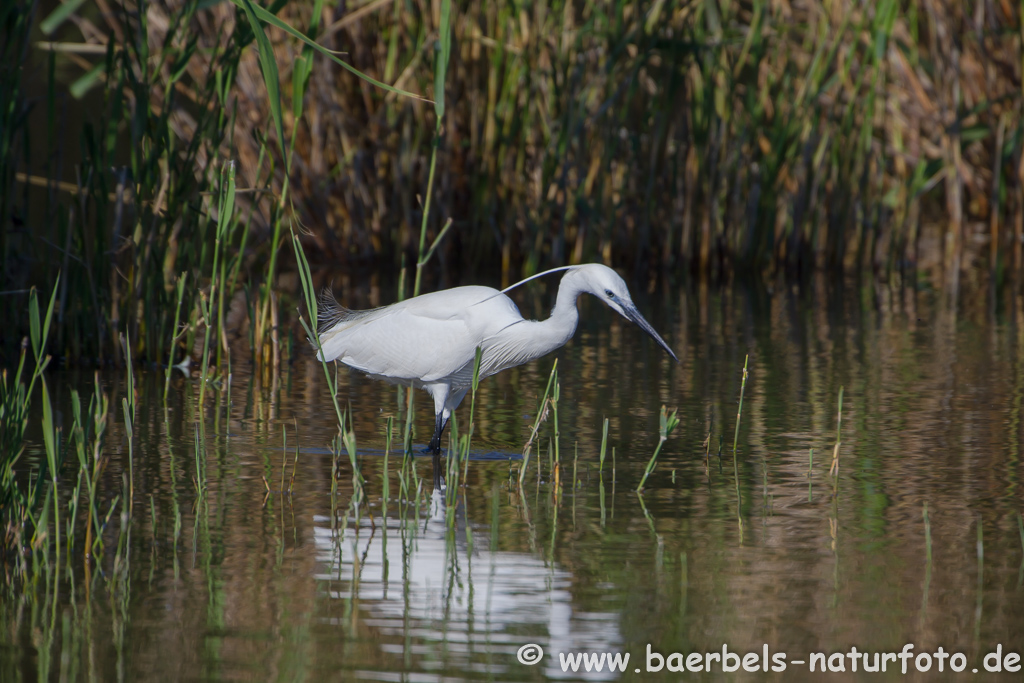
(430, 341)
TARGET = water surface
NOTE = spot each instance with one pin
(269, 575)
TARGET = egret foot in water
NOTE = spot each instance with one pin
(435, 441)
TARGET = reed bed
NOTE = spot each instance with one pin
(682, 136)
(676, 134)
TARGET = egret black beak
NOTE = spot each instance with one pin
(634, 316)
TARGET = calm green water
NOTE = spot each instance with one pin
(764, 550)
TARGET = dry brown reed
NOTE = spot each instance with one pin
(801, 134)
(718, 137)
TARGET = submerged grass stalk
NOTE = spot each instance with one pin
(735, 440)
(834, 469)
(810, 471)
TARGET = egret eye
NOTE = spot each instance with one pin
(611, 295)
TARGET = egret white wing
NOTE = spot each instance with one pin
(426, 339)
(407, 346)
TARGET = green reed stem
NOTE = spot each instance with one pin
(99, 408)
(666, 423)
(225, 221)
(348, 437)
(440, 74)
(834, 469)
(472, 409)
(200, 478)
(128, 406)
(129, 432)
(604, 445)
(810, 471)
(284, 453)
(739, 410)
(388, 430)
(174, 332)
(554, 420)
(541, 416)
(735, 441)
(51, 441)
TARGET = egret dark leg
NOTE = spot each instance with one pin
(438, 471)
(435, 442)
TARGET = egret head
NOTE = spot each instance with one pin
(606, 285)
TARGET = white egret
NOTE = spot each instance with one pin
(430, 341)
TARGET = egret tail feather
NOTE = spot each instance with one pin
(330, 312)
(332, 318)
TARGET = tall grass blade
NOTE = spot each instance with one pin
(59, 15)
(271, 77)
(444, 50)
(604, 445)
(269, 18)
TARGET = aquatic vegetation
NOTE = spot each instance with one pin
(667, 424)
(698, 137)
